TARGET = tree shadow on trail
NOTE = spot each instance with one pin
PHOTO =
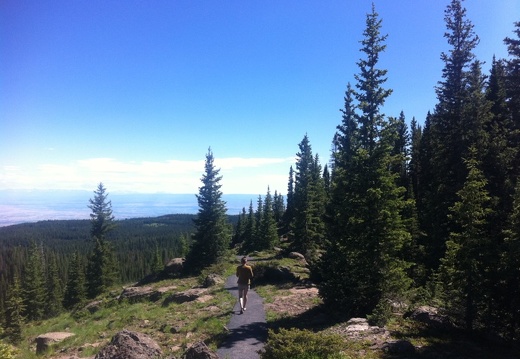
(256, 332)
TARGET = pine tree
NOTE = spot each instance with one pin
(463, 271)
(14, 309)
(363, 268)
(268, 236)
(447, 141)
(102, 268)
(249, 230)
(34, 284)
(212, 235)
(75, 290)
(288, 216)
(510, 274)
(54, 289)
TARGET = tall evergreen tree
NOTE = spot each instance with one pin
(53, 303)
(363, 268)
(34, 288)
(268, 236)
(463, 271)
(212, 235)
(446, 141)
(249, 230)
(14, 309)
(510, 273)
(102, 268)
(101, 218)
(75, 289)
(289, 210)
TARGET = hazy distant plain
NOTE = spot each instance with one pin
(33, 206)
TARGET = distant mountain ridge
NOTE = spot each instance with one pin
(26, 206)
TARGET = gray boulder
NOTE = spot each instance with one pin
(130, 345)
(185, 296)
(199, 351)
(430, 316)
(136, 294)
(212, 280)
(174, 267)
(45, 341)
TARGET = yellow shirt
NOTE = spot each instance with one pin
(244, 274)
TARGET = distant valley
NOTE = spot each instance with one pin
(23, 206)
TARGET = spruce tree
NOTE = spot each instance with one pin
(102, 267)
(75, 289)
(34, 286)
(447, 141)
(510, 274)
(268, 236)
(212, 235)
(249, 230)
(53, 303)
(463, 274)
(14, 309)
(363, 267)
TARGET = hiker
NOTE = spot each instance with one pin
(244, 274)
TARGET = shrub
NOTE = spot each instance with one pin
(302, 344)
(7, 351)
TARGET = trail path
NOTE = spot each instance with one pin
(248, 331)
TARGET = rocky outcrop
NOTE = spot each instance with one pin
(399, 347)
(174, 267)
(430, 316)
(185, 296)
(136, 294)
(44, 341)
(212, 280)
(199, 351)
(130, 345)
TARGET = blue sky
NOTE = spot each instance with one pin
(132, 93)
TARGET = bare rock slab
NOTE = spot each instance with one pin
(44, 341)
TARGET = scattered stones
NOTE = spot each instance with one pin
(130, 345)
(44, 341)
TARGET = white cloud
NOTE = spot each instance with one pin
(240, 175)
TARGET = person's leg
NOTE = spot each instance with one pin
(246, 289)
(241, 297)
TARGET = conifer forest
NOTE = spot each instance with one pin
(402, 211)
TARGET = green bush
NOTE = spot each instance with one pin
(302, 344)
(7, 351)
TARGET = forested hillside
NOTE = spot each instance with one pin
(136, 243)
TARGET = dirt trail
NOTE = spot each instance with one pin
(247, 331)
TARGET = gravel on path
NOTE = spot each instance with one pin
(247, 331)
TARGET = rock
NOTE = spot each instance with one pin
(93, 307)
(430, 316)
(44, 341)
(136, 294)
(174, 267)
(186, 296)
(296, 255)
(212, 279)
(399, 347)
(199, 351)
(130, 345)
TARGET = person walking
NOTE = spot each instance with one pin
(244, 274)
